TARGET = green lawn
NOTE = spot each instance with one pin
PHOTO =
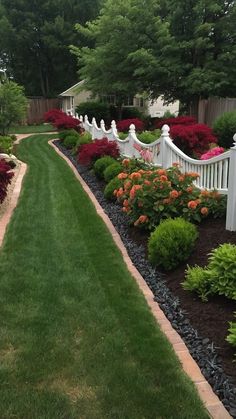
(31, 129)
(77, 340)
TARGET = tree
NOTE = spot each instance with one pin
(182, 50)
(119, 32)
(13, 105)
(35, 38)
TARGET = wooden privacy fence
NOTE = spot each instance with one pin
(217, 173)
(37, 106)
(210, 109)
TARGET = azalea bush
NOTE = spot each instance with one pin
(213, 152)
(179, 120)
(124, 124)
(194, 140)
(148, 196)
(52, 115)
(5, 178)
(89, 153)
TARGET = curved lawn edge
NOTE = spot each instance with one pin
(15, 194)
(211, 401)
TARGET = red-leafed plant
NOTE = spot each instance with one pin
(194, 140)
(124, 124)
(52, 115)
(67, 122)
(179, 120)
(89, 153)
(5, 178)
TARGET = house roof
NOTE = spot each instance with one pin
(72, 90)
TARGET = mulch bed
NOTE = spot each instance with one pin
(210, 319)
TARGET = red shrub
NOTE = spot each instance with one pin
(67, 122)
(124, 124)
(193, 140)
(88, 153)
(179, 120)
(52, 115)
(5, 178)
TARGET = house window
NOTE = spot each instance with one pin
(128, 101)
(110, 99)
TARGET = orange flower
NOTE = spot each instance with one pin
(176, 164)
(125, 162)
(192, 204)
(122, 175)
(147, 182)
(193, 174)
(135, 175)
(120, 192)
(161, 172)
(143, 218)
(181, 178)
(189, 189)
(205, 192)
(174, 194)
(133, 190)
(115, 192)
(204, 210)
(141, 171)
(127, 185)
(166, 201)
(163, 178)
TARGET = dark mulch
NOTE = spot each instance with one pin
(210, 319)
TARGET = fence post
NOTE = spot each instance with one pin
(231, 201)
(102, 125)
(164, 135)
(93, 128)
(114, 129)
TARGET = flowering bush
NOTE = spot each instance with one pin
(124, 124)
(179, 120)
(88, 153)
(216, 151)
(148, 196)
(193, 140)
(52, 115)
(67, 122)
(5, 178)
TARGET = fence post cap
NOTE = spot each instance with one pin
(81, 118)
(165, 129)
(132, 128)
(102, 122)
(93, 120)
(86, 118)
(113, 123)
(234, 138)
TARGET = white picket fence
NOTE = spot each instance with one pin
(217, 173)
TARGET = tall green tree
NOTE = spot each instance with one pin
(35, 38)
(13, 105)
(122, 29)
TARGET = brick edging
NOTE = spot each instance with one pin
(211, 401)
(13, 201)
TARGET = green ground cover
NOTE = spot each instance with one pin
(77, 339)
(31, 129)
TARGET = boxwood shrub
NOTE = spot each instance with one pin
(102, 164)
(112, 171)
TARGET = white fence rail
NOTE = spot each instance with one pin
(216, 173)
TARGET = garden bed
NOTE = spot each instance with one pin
(203, 326)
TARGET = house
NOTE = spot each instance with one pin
(75, 95)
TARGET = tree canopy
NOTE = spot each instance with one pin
(35, 38)
(182, 50)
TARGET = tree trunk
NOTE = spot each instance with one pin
(193, 107)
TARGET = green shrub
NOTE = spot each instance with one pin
(222, 265)
(172, 242)
(131, 112)
(99, 110)
(70, 141)
(84, 138)
(65, 133)
(102, 164)
(123, 135)
(224, 128)
(111, 187)
(231, 338)
(197, 279)
(112, 171)
(148, 137)
(6, 144)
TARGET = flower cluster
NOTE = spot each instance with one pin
(61, 120)
(148, 196)
(213, 152)
(194, 140)
(89, 153)
(124, 124)
(179, 120)
(5, 178)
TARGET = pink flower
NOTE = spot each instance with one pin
(216, 151)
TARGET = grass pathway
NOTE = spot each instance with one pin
(77, 340)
